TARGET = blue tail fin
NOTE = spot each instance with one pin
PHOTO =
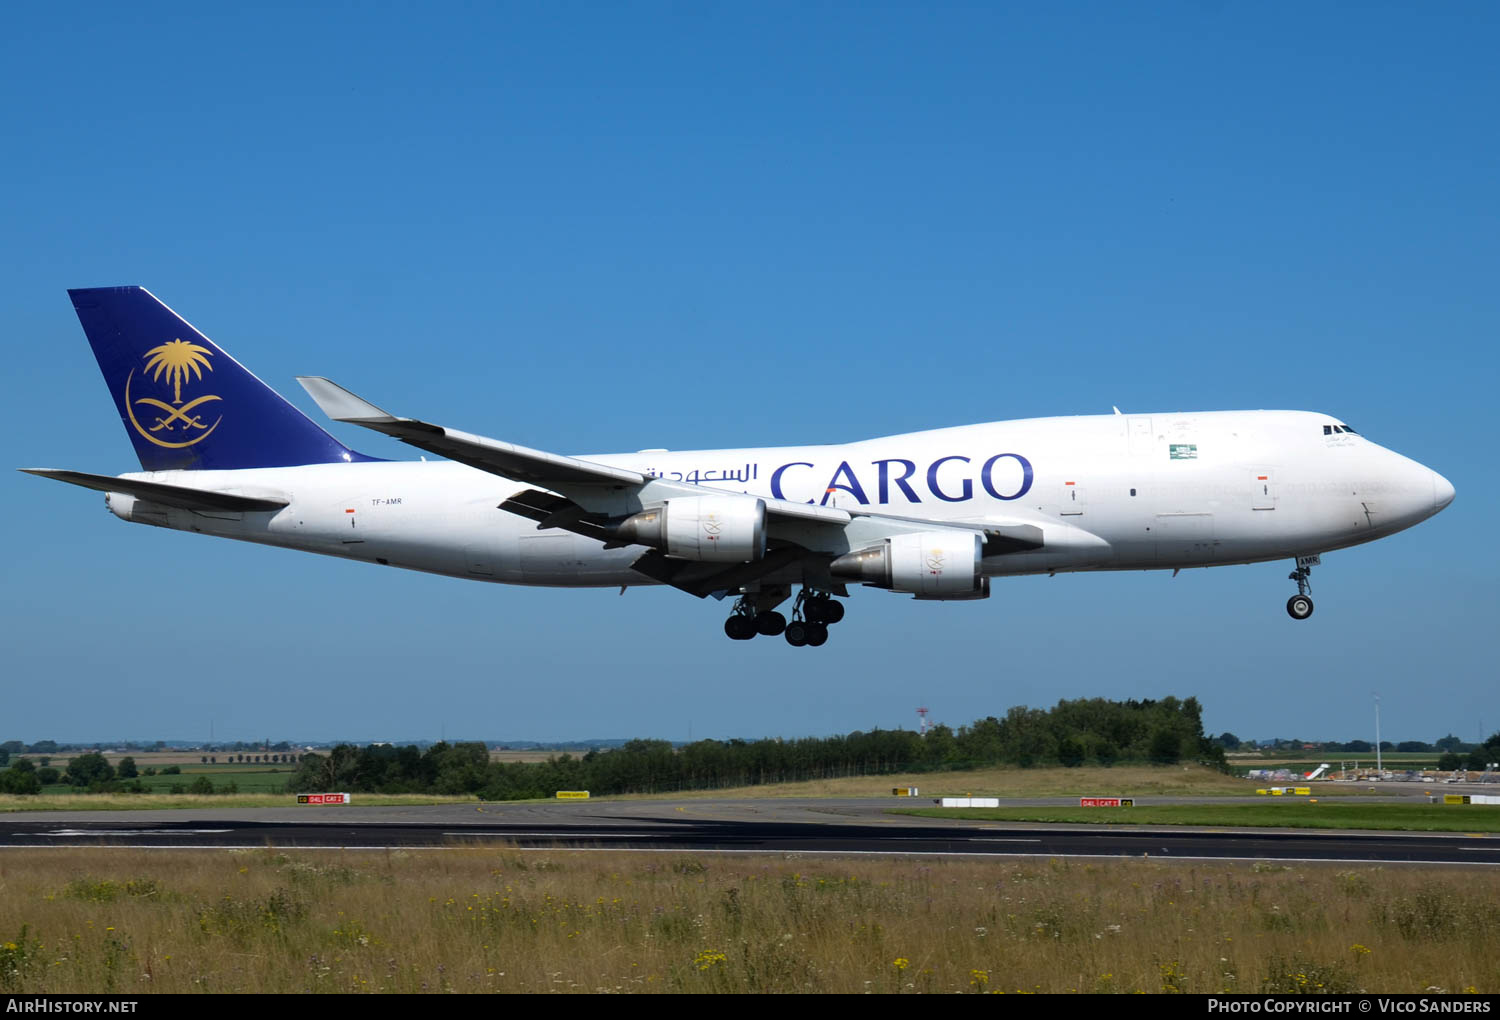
(185, 403)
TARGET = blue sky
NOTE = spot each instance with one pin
(608, 227)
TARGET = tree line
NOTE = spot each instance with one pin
(1085, 731)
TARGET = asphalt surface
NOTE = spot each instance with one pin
(844, 826)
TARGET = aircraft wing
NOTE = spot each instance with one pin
(582, 480)
(182, 496)
(581, 496)
(507, 459)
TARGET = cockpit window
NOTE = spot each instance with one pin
(1347, 429)
(1329, 430)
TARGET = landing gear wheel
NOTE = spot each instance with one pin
(822, 609)
(1299, 607)
(797, 633)
(817, 633)
(740, 628)
(769, 623)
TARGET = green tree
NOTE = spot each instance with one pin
(1165, 747)
(87, 769)
(19, 782)
(126, 769)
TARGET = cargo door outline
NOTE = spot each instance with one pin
(1262, 489)
(1073, 500)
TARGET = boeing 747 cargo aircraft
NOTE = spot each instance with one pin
(933, 515)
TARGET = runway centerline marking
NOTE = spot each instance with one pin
(1001, 839)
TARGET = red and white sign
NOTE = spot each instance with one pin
(1105, 802)
(322, 798)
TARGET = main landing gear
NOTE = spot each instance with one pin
(812, 614)
(1300, 606)
(744, 623)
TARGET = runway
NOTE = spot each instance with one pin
(848, 826)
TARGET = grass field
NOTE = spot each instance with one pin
(1121, 780)
(163, 802)
(249, 779)
(1294, 814)
(486, 919)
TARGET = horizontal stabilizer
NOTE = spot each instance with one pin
(180, 496)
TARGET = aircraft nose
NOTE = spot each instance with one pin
(1442, 492)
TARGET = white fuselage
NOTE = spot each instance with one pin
(1109, 492)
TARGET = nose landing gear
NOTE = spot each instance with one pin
(1300, 605)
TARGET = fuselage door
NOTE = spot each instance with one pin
(1262, 490)
(1072, 499)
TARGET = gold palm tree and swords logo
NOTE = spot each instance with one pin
(180, 362)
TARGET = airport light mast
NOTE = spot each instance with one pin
(1378, 766)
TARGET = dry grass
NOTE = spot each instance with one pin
(486, 919)
(165, 802)
(1121, 781)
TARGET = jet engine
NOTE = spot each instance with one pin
(714, 529)
(928, 564)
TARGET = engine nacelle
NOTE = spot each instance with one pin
(713, 529)
(929, 565)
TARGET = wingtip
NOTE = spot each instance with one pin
(339, 403)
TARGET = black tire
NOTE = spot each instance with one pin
(1299, 607)
(796, 633)
(812, 610)
(817, 633)
(833, 611)
(769, 623)
(739, 628)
